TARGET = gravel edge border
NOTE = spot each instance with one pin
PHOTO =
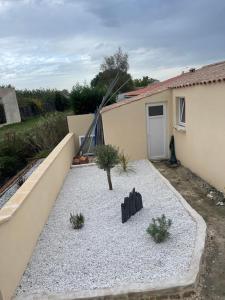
(189, 282)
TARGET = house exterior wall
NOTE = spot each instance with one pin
(11, 107)
(24, 215)
(126, 126)
(79, 124)
(201, 147)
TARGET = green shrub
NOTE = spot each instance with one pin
(124, 164)
(85, 99)
(17, 148)
(61, 102)
(14, 145)
(35, 102)
(159, 229)
(42, 154)
(49, 131)
(12, 155)
(77, 221)
(106, 158)
(9, 165)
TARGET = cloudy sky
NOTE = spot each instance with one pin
(56, 43)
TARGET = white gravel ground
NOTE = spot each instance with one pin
(105, 252)
(11, 191)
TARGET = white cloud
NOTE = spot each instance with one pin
(55, 43)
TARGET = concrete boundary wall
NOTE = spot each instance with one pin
(24, 215)
(11, 108)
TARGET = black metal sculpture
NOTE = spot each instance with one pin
(131, 205)
(173, 159)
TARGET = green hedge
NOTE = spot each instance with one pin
(17, 149)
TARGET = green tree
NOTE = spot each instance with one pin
(144, 81)
(61, 102)
(117, 61)
(111, 66)
(34, 102)
(107, 157)
(86, 99)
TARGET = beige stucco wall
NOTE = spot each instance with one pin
(24, 215)
(11, 107)
(202, 147)
(79, 124)
(126, 126)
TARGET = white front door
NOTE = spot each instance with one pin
(157, 141)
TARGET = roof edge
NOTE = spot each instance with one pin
(200, 82)
(131, 100)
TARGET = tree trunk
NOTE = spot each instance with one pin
(109, 179)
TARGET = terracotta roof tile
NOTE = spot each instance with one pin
(206, 75)
(141, 90)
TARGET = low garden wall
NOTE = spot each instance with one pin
(24, 215)
(79, 124)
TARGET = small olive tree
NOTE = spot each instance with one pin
(107, 157)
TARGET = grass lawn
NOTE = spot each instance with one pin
(24, 125)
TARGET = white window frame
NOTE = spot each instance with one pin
(82, 136)
(180, 111)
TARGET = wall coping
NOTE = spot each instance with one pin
(83, 165)
(16, 201)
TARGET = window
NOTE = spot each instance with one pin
(89, 145)
(181, 111)
(156, 110)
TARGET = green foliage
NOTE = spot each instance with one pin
(41, 94)
(6, 86)
(42, 154)
(144, 81)
(41, 101)
(86, 99)
(106, 158)
(77, 221)
(48, 132)
(16, 148)
(9, 165)
(103, 80)
(12, 155)
(124, 164)
(116, 63)
(61, 102)
(159, 229)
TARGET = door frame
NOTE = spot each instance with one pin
(165, 113)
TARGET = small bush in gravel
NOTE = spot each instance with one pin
(77, 221)
(124, 164)
(106, 158)
(159, 229)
